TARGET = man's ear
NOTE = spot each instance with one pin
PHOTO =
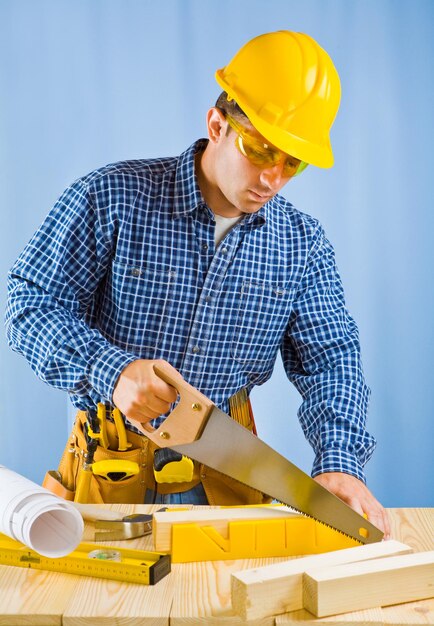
(216, 125)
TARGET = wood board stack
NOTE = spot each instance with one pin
(358, 578)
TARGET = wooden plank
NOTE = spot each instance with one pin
(364, 585)
(409, 614)
(278, 588)
(39, 598)
(198, 593)
(26, 596)
(369, 617)
(217, 518)
(97, 602)
(413, 527)
(203, 594)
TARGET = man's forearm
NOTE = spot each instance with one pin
(333, 417)
(61, 349)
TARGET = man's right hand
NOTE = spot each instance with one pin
(140, 394)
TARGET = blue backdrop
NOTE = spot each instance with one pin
(89, 82)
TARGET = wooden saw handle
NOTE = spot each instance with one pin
(186, 421)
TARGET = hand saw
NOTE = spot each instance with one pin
(198, 429)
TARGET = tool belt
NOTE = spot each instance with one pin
(64, 481)
(219, 489)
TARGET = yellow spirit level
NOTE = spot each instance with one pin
(89, 559)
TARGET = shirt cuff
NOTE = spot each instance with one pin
(338, 460)
(106, 368)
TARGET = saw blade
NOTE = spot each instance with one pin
(229, 448)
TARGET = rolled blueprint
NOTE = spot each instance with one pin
(36, 517)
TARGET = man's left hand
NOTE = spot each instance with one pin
(355, 493)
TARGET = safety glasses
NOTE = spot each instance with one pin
(261, 154)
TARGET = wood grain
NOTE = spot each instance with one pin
(357, 586)
(369, 617)
(278, 588)
(203, 594)
(195, 593)
(27, 599)
(410, 614)
(105, 603)
(97, 602)
(414, 527)
(411, 526)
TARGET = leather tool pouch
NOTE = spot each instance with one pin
(128, 491)
(220, 489)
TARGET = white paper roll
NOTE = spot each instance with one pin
(36, 517)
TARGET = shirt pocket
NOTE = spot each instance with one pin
(263, 314)
(138, 309)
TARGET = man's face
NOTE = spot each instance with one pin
(245, 186)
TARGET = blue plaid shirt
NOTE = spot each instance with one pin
(125, 267)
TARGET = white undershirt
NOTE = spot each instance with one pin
(223, 225)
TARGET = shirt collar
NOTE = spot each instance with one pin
(253, 220)
(188, 196)
(187, 192)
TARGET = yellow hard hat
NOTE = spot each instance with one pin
(289, 89)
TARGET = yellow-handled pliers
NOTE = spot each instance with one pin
(98, 430)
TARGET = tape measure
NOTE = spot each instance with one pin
(172, 467)
(89, 559)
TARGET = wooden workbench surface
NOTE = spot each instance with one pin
(194, 593)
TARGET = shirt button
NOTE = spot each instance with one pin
(196, 350)
(135, 272)
(204, 246)
(208, 298)
(224, 250)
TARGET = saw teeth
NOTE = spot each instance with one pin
(314, 518)
(319, 522)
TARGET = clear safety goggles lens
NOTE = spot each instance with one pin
(261, 154)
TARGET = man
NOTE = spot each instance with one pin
(199, 262)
